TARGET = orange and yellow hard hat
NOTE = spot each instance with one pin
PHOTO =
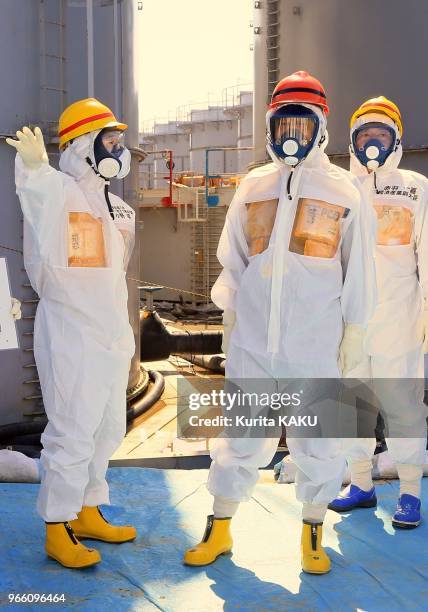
(85, 116)
(379, 105)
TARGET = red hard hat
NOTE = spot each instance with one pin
(299, 87)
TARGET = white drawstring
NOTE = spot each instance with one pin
(278, 264)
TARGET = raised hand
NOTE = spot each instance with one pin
(30, 146)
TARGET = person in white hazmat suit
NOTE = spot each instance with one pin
(394, 345)
(77, 241)
(296, 285)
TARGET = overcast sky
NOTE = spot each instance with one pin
(189, 49)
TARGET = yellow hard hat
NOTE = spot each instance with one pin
(85, 116)
(379, 105)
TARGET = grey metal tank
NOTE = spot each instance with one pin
(45, 66)
(358, 50)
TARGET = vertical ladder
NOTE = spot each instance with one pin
(52, 62)
(272, 42)
(205, 267)
(52, 102)
(31, 391)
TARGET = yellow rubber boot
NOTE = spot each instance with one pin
(314, 558)
(62, 545)
(91, 524)
(217, 541)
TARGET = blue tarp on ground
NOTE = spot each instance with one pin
(374, 567)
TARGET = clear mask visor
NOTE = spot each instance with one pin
(374, 131)
(114, 142)
(300, 129)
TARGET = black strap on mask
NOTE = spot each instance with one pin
(106, 193)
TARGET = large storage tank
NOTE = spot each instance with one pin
(357, 50)
(21, 105)
(53, 52)
(213, 127)
(182, 253)
(245, 129)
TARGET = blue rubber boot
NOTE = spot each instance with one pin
(353, 497)
(408, 512)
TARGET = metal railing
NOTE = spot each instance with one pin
(229, 97)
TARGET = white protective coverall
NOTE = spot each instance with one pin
(74, 255)
(292, 299)
(393, 346)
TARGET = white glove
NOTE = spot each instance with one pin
(351, 351)
(229, 318)
(425, 319)
(30, 147)
(15, 310)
